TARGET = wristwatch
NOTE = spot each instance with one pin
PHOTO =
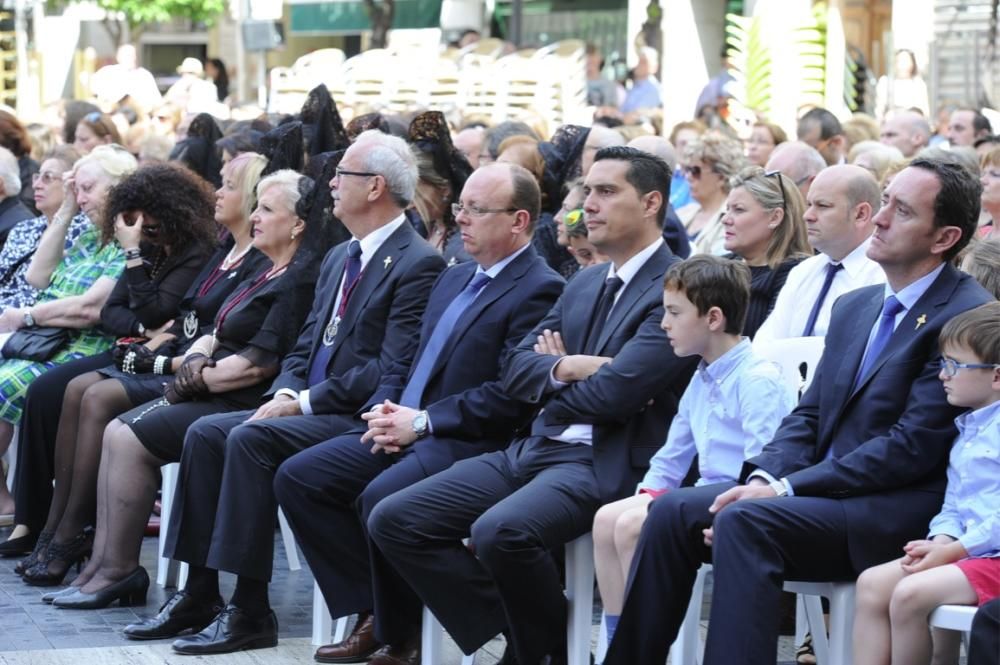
(29, 320)
(779, 487)
(421, 424)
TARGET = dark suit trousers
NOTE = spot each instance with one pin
(517, 505)
(327, 493)
(224, 511)
(984, 641)
(757, 544)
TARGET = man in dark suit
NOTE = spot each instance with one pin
(608, 382)
(445, 406)
(370, 296)
(853, 473)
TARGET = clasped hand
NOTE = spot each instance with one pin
(188, 381)
(390, 427)
(923, 555)
(756, 488)
(143, 359)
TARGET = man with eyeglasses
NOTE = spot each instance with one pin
(852, 474)
(607, 382)
(12, 210)
(370, 295)
(842, 201)
(445, 405)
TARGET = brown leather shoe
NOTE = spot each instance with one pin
(355, 648)
(407, 654)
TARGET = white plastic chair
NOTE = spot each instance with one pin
(322, 622)
(954, 617)
(797, 357)
(11, 456)
(834, 649)
(171, 573)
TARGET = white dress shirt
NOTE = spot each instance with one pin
(796, 298)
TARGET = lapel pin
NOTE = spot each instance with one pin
(387, 262)
(921, 320)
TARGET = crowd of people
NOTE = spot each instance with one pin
(446, 351)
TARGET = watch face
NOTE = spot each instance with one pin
(420, 423)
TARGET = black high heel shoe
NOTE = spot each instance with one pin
(129, 591)
(63, 557)
(41, 545)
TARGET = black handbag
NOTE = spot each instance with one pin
(36, 343)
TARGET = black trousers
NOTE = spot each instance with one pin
(517, 505)
(36, 438)
(757, 544)
(224, 506)
(984, 642)
(327, 493)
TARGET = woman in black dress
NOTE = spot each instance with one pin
(763, 225)
(94, 398)
(225, 371)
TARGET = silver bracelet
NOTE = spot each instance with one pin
(158, 364)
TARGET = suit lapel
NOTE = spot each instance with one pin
(648, 276)
(381, 265)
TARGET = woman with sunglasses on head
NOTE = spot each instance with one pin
(93, 398)
(94, 129)
(763, 225)
(708, 164)
(225, 371)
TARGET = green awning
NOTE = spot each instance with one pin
(349, 16)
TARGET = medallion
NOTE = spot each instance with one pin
(330, 333)
(191, 325)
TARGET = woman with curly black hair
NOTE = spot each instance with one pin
(162, 217)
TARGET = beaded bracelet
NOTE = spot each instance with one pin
(159, 364)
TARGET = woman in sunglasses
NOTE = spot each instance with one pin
(708, 164)
(763, 225)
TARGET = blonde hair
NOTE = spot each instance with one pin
(774, 191)
(245, 170)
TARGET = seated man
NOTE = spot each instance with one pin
(370, 296)
(841, 203)
(444, 406)
(609, 383)
(852, 474)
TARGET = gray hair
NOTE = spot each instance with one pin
(287, 181)
(10, 173)
(390, 157)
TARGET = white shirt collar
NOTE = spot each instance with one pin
(498, 267)
(629, 269)
(373, 241)
(911, 293)
(855, 262)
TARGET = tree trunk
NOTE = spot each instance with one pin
(381, 13)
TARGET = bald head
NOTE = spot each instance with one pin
(839, 209)
(908, 131)
(799, 161)
(470, 143)
(598, 137)
(658, 146)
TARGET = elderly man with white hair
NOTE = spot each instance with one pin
(12, 211)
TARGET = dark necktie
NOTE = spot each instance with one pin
(415, 387)
(352, 271)
(890, 308)
(604, 304)
(831, 271)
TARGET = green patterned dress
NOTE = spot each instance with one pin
(83, 264)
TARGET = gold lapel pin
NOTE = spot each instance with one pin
(921, 320)
(387, 262)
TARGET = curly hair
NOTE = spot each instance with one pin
(182, 203)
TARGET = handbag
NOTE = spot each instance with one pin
(37, 343)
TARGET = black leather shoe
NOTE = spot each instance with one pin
(128, 591)
(232, 630)
(18, 546)
(183, 612)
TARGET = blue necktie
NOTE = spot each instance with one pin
(352, 270)
(886, 323)
(831, 271)
(414, 390)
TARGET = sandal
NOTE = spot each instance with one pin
(805, 655)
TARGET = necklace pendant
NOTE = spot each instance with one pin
(330, 334)
(190, 325)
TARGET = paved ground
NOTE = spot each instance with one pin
(32, 633)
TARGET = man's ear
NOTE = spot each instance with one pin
(653, 204)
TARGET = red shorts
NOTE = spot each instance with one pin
(653, 493)
(984, 576)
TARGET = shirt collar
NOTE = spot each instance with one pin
(911, 293)
(856, 261)
(629, 269)
(498, 267)
(979, 418)
(726, 363)
(373, 241)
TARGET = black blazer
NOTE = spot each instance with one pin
(628, 430)
(379, 327)
(469, 412)
(892, 435)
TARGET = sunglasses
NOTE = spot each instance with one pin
(573, 217)
(93, 116)
(781, 185)
(693, 171)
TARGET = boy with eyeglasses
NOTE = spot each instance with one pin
(959, 561)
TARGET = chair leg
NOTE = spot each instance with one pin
(322, 623)
(687, 649)
(166, 569)
(12, 461)
(580, 593)
(431, 640)
(817, 628)
(841, 624)
(291, 551)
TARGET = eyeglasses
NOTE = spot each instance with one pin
(475, 211)
(781, 185)
(573, 217)
(46, 178)
(693, 171)
(338, 172)
(950, 367)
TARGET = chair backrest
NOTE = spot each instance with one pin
(797, 357)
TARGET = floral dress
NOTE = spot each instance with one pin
(16, 257)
